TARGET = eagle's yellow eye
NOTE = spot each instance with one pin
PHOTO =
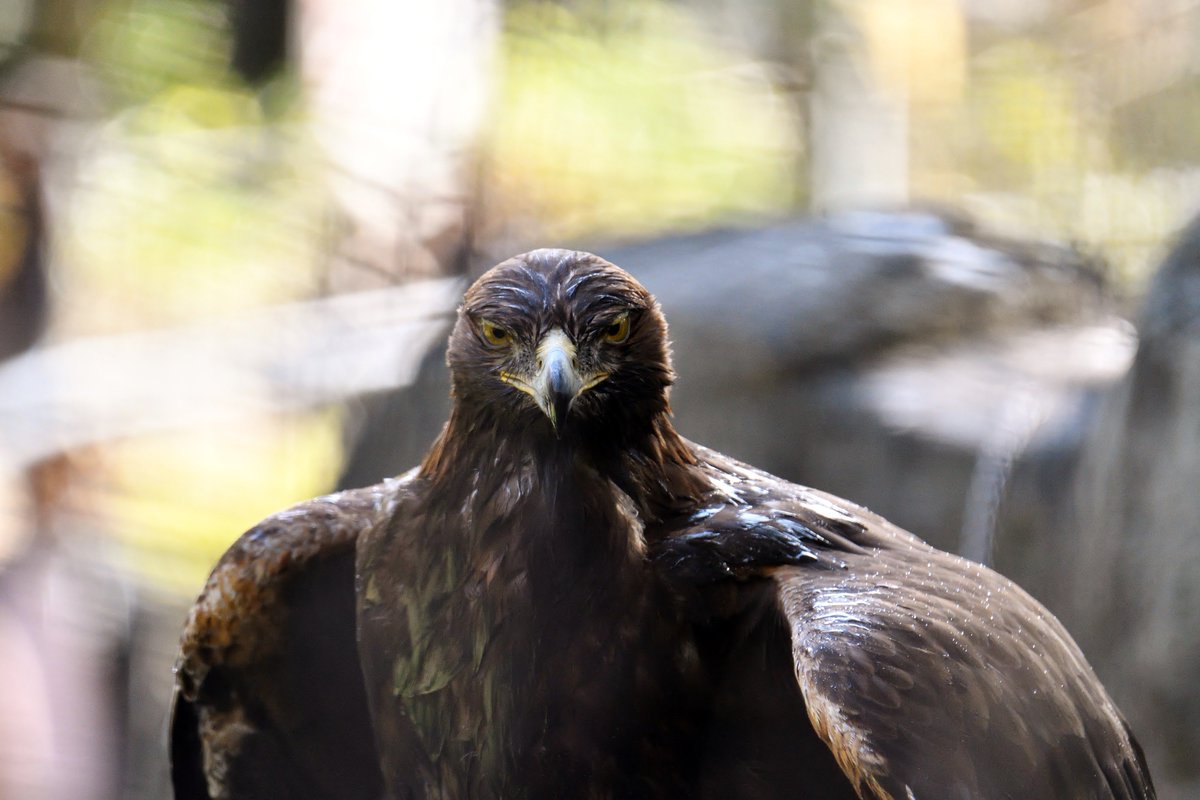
(494, 335)
(617, 331)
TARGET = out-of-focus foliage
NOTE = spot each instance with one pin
(182, 497)
(197, 198)
(147, 47)
(1027, 116)
(627, 118)
(1044, 142)
(13, 25)
(191, 201)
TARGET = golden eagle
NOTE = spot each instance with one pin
(567, 599)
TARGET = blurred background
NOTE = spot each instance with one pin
(922, 253)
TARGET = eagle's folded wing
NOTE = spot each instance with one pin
(269, 698)
(930, 676)
(926, 675)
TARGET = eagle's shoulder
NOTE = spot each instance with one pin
(749, 521)
(232, 620)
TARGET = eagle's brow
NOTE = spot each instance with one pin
(577, 280)
(515, 295)
(524, 292)
(602, 304)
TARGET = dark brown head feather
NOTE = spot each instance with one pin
(625, 416)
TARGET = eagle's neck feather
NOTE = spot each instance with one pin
(648, 461)
(545, 539)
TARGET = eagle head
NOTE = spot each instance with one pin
(561, 342)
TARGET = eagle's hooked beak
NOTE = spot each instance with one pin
(557, 382)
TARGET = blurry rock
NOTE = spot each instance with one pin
(790, 296)
(949, 439)
(394, 429)
(1136, 597)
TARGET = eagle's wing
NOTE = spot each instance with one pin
(931, 676)
(272, 631)
(928, 676)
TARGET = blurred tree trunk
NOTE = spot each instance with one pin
(858, 125)
(397, 94)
